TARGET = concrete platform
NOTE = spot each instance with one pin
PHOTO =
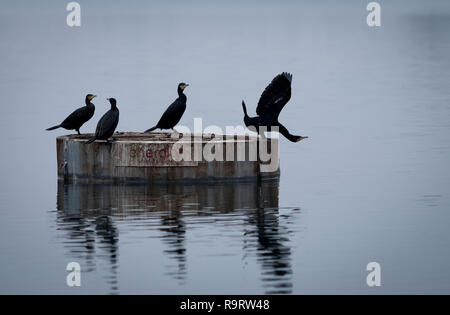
(139, 157)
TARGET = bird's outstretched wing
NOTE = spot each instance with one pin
(275, 96)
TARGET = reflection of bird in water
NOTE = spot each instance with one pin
(174, 112)
(75, 120)
(87, 220)
(271, 249)
(174, 236)
(89, 230)
(107, 124)
(272, 101)
(86, 235)
(274, 254)
(109, 235)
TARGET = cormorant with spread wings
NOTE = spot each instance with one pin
(272, 101)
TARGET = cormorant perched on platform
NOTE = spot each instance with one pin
(174, 112)
(75, 120)
(272, 101)
(107, 124)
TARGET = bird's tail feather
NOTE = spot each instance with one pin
(151, 129)
(244, 108)
(91, 140)
(54, 127)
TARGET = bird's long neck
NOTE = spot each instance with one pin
(88, 102)
(113, 104)
(283, 130)
(181, 95)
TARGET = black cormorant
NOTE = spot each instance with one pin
(107, 124)
(272, 101)
(75, 120)
(174, 112)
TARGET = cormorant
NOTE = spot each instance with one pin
(174, 112)
(107, 124)
(272, 101)
(75, 120)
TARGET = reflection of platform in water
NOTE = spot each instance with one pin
(89, 213)
(139, 157)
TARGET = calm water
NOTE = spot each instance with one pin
(370, 184)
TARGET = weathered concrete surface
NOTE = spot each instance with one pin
(138, 157)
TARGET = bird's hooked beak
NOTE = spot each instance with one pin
(300, 138)
(184, 86)
(92, 97)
